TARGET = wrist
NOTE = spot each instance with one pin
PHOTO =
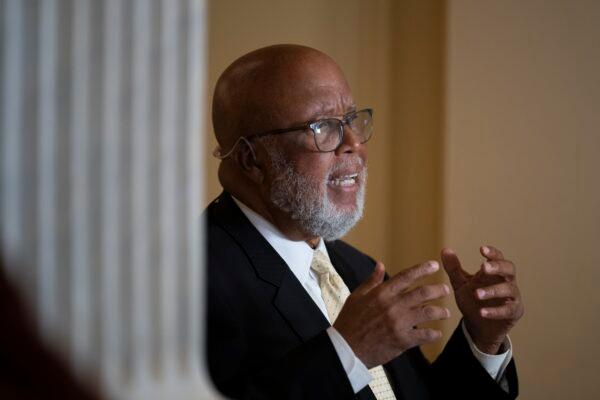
(485, 344)
(488, 348)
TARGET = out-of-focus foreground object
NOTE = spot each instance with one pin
(28, 369)
(100, 187)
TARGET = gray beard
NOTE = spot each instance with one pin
(306, 201)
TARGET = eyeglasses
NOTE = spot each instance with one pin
(328, 133)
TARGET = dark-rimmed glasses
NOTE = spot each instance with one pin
(328, 133)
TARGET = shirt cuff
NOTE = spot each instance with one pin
(495, 365)
(357, 372)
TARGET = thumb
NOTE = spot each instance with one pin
(457, 275)
(373, 280)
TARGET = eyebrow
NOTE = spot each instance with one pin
(329, 111)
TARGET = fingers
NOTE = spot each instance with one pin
(426, 293)
(429, 313)
(502, 268)
(512, 310)
(457, 275)
(421, 336)
(491, 253)
(500, 290)
(373, 280)
(404, 279)
(411, 310)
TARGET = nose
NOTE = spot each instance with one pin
(351, 142)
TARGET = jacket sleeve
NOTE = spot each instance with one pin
(456, 373)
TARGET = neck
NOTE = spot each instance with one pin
(314, 242)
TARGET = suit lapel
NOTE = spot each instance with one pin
(291, 299)
(298, 309)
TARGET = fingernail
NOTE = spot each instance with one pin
(480, 293)
(486, 250)
(447, 313)
(433, 266)
(446, 288)
(484, 312)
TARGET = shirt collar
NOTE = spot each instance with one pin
(296, 254)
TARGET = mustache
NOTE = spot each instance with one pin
(347, 165)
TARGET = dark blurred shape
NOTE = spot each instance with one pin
(28, 368)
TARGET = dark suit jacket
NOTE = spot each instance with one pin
(267, 339)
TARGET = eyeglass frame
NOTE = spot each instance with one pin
(308, 125)
(311, 125)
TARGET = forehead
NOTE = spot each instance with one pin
(324, 101)
(315, 93)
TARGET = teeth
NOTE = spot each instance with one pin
(345, 181)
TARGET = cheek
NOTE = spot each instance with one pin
(314, 166)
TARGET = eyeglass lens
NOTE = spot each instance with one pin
(328, 133)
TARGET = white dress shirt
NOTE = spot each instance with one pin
(298, 256)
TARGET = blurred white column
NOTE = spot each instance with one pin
(100, 181)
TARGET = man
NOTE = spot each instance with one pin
(295, 313)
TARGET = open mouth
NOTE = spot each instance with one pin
(344, 180)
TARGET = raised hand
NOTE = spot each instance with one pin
(379, 318)
(489, 300)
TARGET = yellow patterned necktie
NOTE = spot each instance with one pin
(334, 293)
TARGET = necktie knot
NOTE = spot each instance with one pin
(321, 264)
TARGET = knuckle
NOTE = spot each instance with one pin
(410, 276)
(379, 296)
(503, 290)
(425, 292)
(430, 334)
(442, 289)
(402, 280)
(430, 312)
(491, 312)
(390, 314)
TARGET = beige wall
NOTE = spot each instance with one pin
(520, 171)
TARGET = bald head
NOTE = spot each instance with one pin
(271, 88)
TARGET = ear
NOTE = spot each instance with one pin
(250, 163)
